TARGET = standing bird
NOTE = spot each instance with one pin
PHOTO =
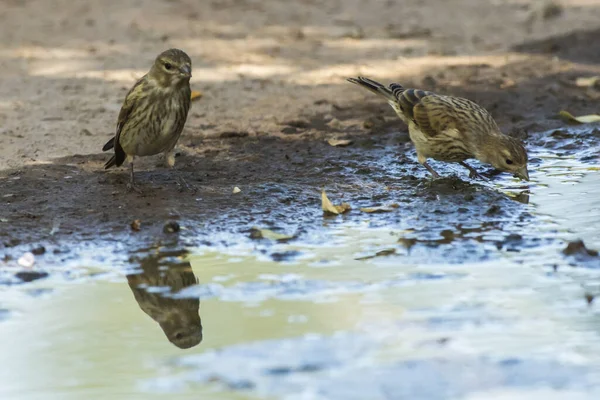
(451, 129)
(154, 112)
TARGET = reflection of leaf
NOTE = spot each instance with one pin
(587, 82)
(196, 95)
(339, 142)
(329, 208)
(584, 119)
(381, 253)
(257, 233)
(372, 210)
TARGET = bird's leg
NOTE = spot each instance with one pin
(473, 174)
(170, 158)
(434, 174)
(170, 162)
(131, 185)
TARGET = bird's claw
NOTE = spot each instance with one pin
(477, 175)
(133, 188)
(182, 183)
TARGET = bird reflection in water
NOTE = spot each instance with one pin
(163, 274)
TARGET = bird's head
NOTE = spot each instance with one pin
(507, 154)
(172, 68)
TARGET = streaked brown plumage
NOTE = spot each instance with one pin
(154, 112)
(451, 129)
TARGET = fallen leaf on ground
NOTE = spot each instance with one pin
(373, 210)
(257, 233)
(381, 253)
(339, 142)
(335, 124)
(196, 95)
(584, 119)
(587, 82)
(507, 83)
(329, 208)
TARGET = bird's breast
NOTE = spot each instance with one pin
(157, 131)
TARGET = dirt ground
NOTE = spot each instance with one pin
(272, 74)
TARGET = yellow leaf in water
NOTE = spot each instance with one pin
(339, 142)
(196, 95)
(256, 233)
(329, 208)
(372, 210)
(584, 119)
(587, 82)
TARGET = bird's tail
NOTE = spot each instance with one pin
(109, 145)
(110, 163)
(119, 158)
(374, 87)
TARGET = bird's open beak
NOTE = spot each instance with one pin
(522, 173)
(186, 71)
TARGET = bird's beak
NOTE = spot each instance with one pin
(186, 71)
(522, 173)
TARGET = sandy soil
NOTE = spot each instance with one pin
(272, 73)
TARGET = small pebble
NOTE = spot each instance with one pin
(236, 190)
(136, 225)
(38, 251)
(589, 298)
(27, 260)
(171, 227)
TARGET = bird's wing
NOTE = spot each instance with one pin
(417, 106)
(433, 113)
(130, 103)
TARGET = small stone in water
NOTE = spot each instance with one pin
(27, 260)
(171, 227)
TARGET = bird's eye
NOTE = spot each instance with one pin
(168, 66)
(509, 162)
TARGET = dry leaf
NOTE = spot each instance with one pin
(329, 208)
(587, 82)
(256, 233)
(584, 119)
(196, 95)
(236, 190)
(507, 83)
(372, 210)
(335, 124)
(339, 142)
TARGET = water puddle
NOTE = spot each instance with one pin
(340, 314)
